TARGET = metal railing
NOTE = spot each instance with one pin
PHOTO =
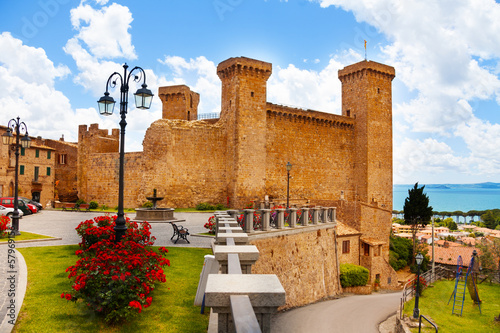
(210, 115)
(429, 321)
(409, 288)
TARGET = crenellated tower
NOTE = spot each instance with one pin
(367, 97)
(179, 102)
(243, 110)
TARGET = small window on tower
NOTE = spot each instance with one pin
(348, 113)
(251, 94)
(378, 90)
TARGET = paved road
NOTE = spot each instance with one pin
(62, 224)
(359, 313)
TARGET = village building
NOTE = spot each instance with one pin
(40, 168)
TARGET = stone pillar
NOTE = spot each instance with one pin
(334, 214)
(248, 218)
(266, 219)
(233, 214)
(324, 214)
(315, 217)
(280, 219)
(248, 255)
(304, 218)
(293, 217)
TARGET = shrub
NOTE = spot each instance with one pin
(353, 275)
(220, 207)
(104, 207)
(115, 279)
(147, 204)
(93, 205)
(4, 226)
(205, 206)
(210, 225)
(79, 202)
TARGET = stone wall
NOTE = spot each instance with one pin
(305, 263)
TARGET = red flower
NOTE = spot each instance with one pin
(68, 297)
(62, 295)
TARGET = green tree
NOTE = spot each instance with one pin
(489, 219)
(417, 211)
(490, 257)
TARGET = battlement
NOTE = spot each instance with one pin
(244, 66)
(368, 67)
(94, 130)
(303, 115)
(179, 102)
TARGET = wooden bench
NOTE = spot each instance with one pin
(180, 232)
(84, 207)
(69, 206)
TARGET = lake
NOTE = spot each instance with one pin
(452, 197)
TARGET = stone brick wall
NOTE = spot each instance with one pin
(305, 263)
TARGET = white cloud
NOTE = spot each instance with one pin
(105, 30)
(440, 51)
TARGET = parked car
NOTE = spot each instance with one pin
(38, 205)
(5, 211)
(32, 208)
(9, 203)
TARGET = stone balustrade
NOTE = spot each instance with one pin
(266, 220)
(240, 299)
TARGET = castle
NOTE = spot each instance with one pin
(338, 160)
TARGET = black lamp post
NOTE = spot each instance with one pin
(16, 126)
(143, 99)
(288, 168)
(419, 258)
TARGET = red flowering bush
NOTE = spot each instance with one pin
(210, 225)
(422, 285)
(115, 279)
(4, 225)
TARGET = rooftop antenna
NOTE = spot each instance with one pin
(365, 49)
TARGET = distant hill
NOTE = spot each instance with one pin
(456, 186)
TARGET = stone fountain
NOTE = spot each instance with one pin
(155, 214)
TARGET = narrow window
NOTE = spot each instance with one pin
(367, 249)
(48, 154)
(37, 153)
(48, 171)
(37, 170)
(23, 151)
(378, 90)
(62, 159)
(251, 94)
(346, 246)
(348, 113)
(21, 169)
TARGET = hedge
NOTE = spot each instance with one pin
(353, 275)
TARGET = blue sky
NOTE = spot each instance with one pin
(56, 56)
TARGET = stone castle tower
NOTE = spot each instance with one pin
(179, 102)
(244, 113)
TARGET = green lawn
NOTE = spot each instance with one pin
(433, 305)
(172, 309)
(25, 236)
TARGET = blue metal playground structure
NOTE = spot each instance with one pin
(465, 279)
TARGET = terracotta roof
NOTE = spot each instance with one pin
(372, 241)
(345, 230)
(449, 255)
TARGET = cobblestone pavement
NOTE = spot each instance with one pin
(62, 225)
